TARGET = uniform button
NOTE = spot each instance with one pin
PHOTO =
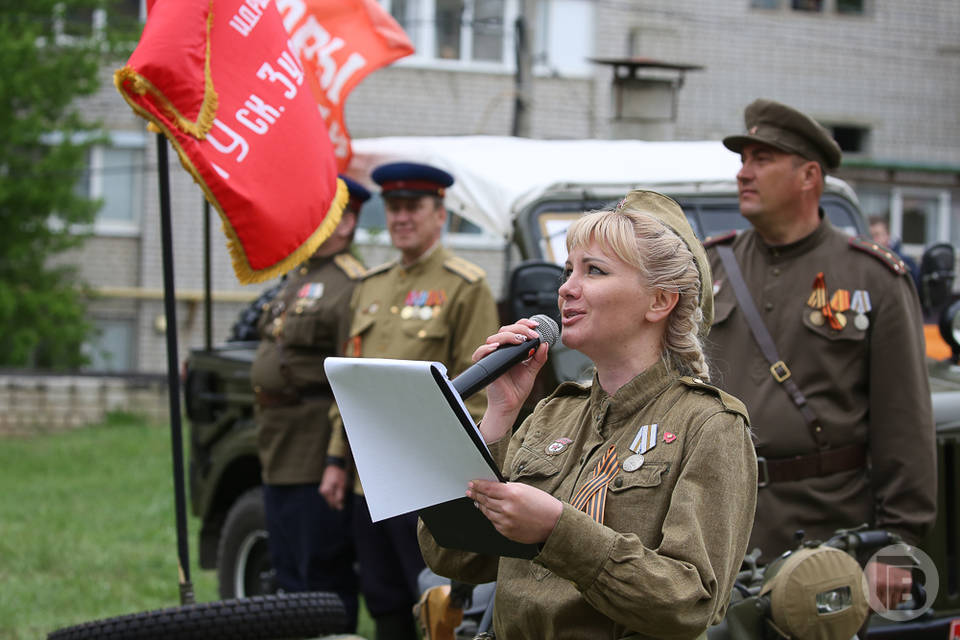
(394, 309)
(776, 271)
(520, 467)
(581, 461)
(421, 334)
(303, 271)
(618, 482)
(768, 306)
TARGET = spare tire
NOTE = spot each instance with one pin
(288, 615)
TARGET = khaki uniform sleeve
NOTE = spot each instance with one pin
(902, 437)
(338, 446)
(684, 584)
(338, 437)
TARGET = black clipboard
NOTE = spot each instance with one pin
(457, 524)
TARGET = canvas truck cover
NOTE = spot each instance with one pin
(496, 176)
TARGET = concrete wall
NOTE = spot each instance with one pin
(52, 402)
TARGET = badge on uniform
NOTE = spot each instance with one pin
(824, 310)
(423, 304)
(860, 303)
(311, 291)
(557, 446)
(840, 302)
(645, 440)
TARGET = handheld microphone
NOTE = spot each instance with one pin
(492, 366)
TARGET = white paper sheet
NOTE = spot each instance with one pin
(410, 448)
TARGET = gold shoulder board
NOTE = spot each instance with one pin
(350, 265)
(466, 270)
(386, 266)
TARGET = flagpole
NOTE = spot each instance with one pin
(207, 280)
(173, 377)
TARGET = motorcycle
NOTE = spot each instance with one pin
(816, 591)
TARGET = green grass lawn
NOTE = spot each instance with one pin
(88, 530)
(87, 527)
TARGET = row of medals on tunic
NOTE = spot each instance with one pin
(645, 440)
(841, 301)
(423, 304)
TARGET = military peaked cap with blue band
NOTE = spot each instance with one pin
(358, 193)
(411, 180)
(782, 127)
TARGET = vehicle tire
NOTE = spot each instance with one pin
(243, 558)
(288, 615)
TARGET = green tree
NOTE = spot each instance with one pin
(51, 54)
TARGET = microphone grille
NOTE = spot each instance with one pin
(547, 328)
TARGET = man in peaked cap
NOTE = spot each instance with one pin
(426, 305)
(310, 545)
(826, 350)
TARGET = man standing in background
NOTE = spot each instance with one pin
(820, 335)
(427, 305)
(308, 320)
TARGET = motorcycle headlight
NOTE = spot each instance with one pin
(834, 600)
(817, 594)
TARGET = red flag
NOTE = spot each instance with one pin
(220, 81)
(339, 43)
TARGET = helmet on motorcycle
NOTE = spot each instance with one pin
(817, 593)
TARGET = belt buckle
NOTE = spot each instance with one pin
(763, 472)
(780, 370)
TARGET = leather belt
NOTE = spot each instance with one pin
(813, 465)
(291, 397)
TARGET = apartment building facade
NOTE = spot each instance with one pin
(884, 76)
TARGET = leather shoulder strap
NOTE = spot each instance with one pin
(778, 368)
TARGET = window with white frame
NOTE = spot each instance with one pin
(918, 216)
(90, 21)
(111, 348)
(114, 174)
(480, 33)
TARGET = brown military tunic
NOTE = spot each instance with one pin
(675, 529)
(866, 383)
(307, 321)
(438, 309)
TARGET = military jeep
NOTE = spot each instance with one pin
(527, 192)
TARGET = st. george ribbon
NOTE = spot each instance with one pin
(483, 372)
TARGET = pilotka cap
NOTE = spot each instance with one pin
(785, 128)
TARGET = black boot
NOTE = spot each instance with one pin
(396, 626)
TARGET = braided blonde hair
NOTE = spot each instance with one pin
(665, 262)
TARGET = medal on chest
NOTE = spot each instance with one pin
(826, 310)
(645, 440)
(557, 446)
(423, 304)
(860, 303)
